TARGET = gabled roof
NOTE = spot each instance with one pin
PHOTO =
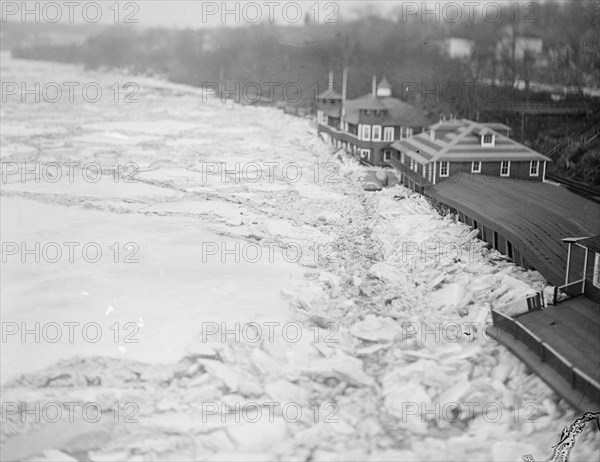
(482, 130)
(497, 126)
(457, 141)
(398, 112)
(329, 93)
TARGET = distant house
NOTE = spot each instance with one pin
(528, 45)
(456, 47)
(524, 45)
(449, 148)
(368, 125)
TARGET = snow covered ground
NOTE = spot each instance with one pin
(364, 312)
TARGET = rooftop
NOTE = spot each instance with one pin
(398, 112)
(458, 141)
(329, 93)
(592, 243)
(384, 83)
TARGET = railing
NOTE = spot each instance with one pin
(407, 175)
(536, 107)
(571, 290)
(584, 138)
(584, 190)
(590, 135)
(522, 306)
(577, 379)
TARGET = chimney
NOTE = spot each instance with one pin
(344, 85)
(374, 85)
(432, 134)
(330, 78)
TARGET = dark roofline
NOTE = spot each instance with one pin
(591, 243)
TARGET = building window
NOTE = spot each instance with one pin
(387, 155)
(444, 168)
(376, 133)
(388, 134)
(596, 277)
(405, 132)
(534, 168)
(505, 168)
(365, 154)
(487, 139)
(366, 132)
(476, 167)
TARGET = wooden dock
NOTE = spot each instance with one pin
(525, 220)
(561, 344)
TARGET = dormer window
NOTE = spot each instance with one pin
(488, 139)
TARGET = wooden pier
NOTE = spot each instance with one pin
(561, 344)
(527, 221)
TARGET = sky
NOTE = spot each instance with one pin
(185, 13)
(202, 13)
(213, 13)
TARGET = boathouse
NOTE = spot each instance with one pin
(450, 149)
(368, 125)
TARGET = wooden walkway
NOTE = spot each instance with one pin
(572, 329)
(533, 216)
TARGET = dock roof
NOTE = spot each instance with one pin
(592, 243)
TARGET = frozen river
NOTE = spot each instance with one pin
(150, 224)
(131, 229)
